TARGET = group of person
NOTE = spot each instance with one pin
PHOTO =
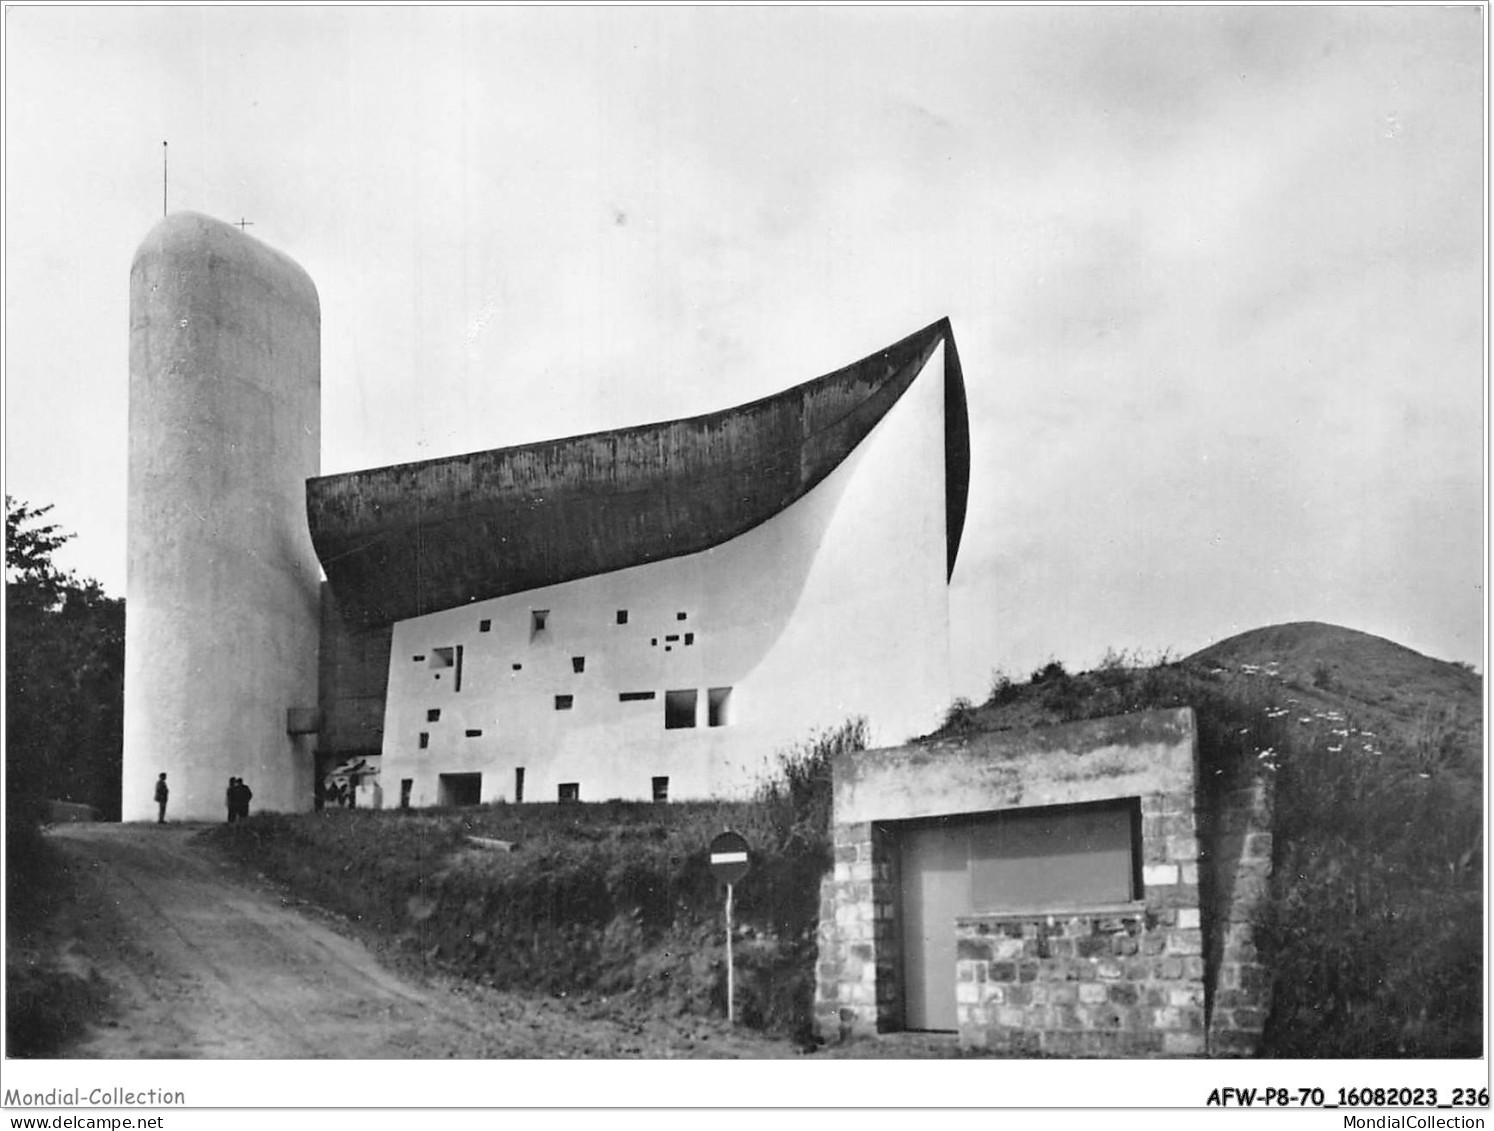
(238, 797)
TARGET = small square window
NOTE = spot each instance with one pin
(570, 791)
(578, 664)
(443, 658)
(433, 715)
(484, 626)
(679, 616)
(622, 616)
(564, 702)
(425, 739)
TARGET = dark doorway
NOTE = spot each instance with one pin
(459, 789)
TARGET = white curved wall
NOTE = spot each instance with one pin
(221, 591)
(835, 607)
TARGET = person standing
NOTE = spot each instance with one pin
(244, 796)
(231, 799)
(162, 793)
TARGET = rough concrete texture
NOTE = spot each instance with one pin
(1123, 756)
(221, 591)
(353, 679)
(412, 539)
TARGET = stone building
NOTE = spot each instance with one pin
(1062, 891)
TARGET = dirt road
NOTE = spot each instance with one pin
(207, 963)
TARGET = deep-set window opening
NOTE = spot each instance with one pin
(718, 707)
(442, 658)
(679, 709)
(474, 734)
(622, 616)
(689, 638)
(569, 791)
(564, 702)
(433, 715)
(634, 696)
(538, 619)
(661, 788)
(425, 739)
(484, 626)
(578, 664)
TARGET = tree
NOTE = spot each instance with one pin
(64, 682)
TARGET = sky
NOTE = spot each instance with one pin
(1215, 273)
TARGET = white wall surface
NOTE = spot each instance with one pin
(221, 592)
(835, 607)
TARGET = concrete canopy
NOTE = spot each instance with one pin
(402, 541)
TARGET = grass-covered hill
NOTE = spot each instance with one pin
(1374, 930)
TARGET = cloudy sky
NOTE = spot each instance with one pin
(1215, 273)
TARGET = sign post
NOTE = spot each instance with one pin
(729, 865)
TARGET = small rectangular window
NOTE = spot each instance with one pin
(661, 789)
(563, 702)
(518, 667)
(484, 626)
(689, 638)
(622, 616)
(457, 686)
(679, 709)
(418, 659)
(679, 616)
(672, 637)
(405, 786)
(634, 696)
(433, 715)
(653, 641)
(518, 784)
(570, 791)
(538, 618)
(474, 734)
(578, 664)
(425, 740)
(718, 706)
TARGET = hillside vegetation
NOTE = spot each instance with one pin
(1373, 931)
(606, 899)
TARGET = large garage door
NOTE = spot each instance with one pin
(1018, 860)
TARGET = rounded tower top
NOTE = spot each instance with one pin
(190, 236)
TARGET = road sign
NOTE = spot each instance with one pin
(729, 865)
(729, 858)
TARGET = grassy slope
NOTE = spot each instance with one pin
(611, 899)
(1374, 930)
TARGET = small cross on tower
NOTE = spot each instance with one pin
(245, 224)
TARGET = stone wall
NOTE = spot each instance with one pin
(1236, 834)
(1114, 982)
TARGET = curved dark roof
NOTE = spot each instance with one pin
(415, 538)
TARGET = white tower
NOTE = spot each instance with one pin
(221, 593)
